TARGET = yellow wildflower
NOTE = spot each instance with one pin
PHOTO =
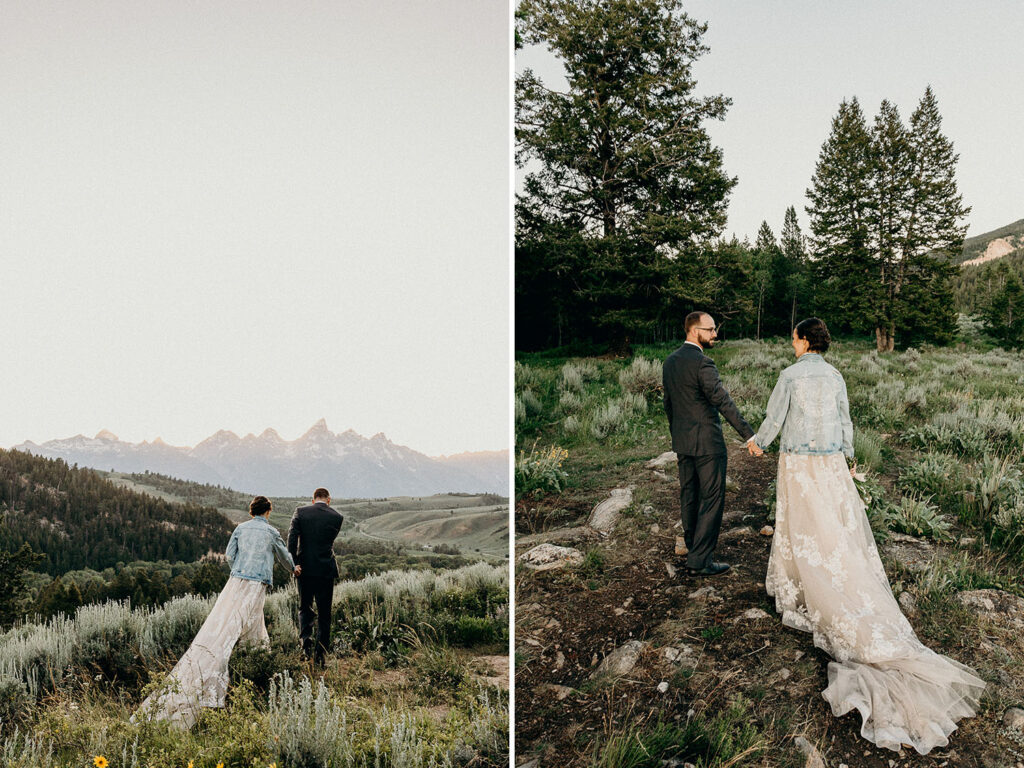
(220, 765)
(99, 761)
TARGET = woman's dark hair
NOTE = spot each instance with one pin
(259, 505)
(815, 331)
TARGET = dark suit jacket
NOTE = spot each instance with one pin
(311, 540)
(694, 396)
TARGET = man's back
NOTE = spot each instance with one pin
(311, 538)
(694, 396)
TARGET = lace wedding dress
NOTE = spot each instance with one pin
(827, 579)
(200, 678)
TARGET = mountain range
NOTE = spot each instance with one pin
(348, 464)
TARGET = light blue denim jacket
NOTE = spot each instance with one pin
(252, 548)
(810, 406)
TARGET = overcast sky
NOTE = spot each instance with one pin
(233, 215)
(787, 65)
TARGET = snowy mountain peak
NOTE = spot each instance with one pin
(105, 434)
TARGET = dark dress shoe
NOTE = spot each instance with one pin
(711, 569)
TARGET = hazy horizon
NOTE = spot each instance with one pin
(236, 216)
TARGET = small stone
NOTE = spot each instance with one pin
(735, 533)
(966, 542)
(1014, 718)
(784, 674)
(655, 528)
(671, 570)
(559, 660)
(544, 557)
(561, 692)
(813, 756)
(681, 548)
(535, 763)
(622, 660)
(619, 611)
(892, 763)
(593, 660)
(843, 765)
(798, 655)
(706, 593)
(606, 514)
(753, 614)
(531, 641)
(767, 531)
(663, 687)
(660, 476)
(908, 604)
(664, 460)
(648, 510)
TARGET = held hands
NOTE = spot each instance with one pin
(298, 570)
(753, 449)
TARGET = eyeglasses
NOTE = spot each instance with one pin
(713, 328)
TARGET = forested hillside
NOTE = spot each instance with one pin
(80, 520)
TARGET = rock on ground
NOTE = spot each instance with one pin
(606, 514)
(908, 604)
(814, 759)
(996, 604)
(621, 661)
(915, 554)
(544, 557)
(664, 460)
(1014, 718)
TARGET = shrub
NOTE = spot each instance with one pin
(642, 376)
(867, 448)
(570, 402)
(936, 475)
(531, 402)
(917, 517)
(541, 470)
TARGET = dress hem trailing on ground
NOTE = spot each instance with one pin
(827, 579)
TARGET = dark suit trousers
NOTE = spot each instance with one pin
(318, 589)
(702, 499)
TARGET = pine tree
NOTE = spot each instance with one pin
(885, 243)
(764, 260)
(840, 197)
(797, 285)
(1004, 315)
(621, 160)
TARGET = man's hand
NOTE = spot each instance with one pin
(298, 570)
(753, 449)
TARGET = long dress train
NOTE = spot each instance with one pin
(827, 578)
(200, 678)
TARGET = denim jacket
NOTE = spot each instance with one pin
(810, 406)
(252, 548)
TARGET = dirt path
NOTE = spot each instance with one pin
(567, 621)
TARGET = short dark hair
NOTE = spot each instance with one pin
(691, 320)
(321, 493)
(259, 505)
(814, 330)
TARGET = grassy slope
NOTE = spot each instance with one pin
(568, 620)
(406, 520)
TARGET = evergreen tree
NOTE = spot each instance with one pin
(624, 171)
(840, 200)
(764, 261)
(1004, 316)
(15, 597)
(885, 243)
(796, 281)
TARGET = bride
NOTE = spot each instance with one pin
(827, 578)
(200, 678)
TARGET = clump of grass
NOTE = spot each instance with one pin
(615, 415)
(937, 475)
(570, 402)
(642, 377)
(867, 448)
(725, 739)
(917, 517)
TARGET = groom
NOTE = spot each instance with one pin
(694, 396)
(311, 543)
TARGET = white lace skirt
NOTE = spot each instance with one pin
(827, 578)
(200, 678)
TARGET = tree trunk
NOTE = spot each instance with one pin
(620, 344)
(885, 338)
